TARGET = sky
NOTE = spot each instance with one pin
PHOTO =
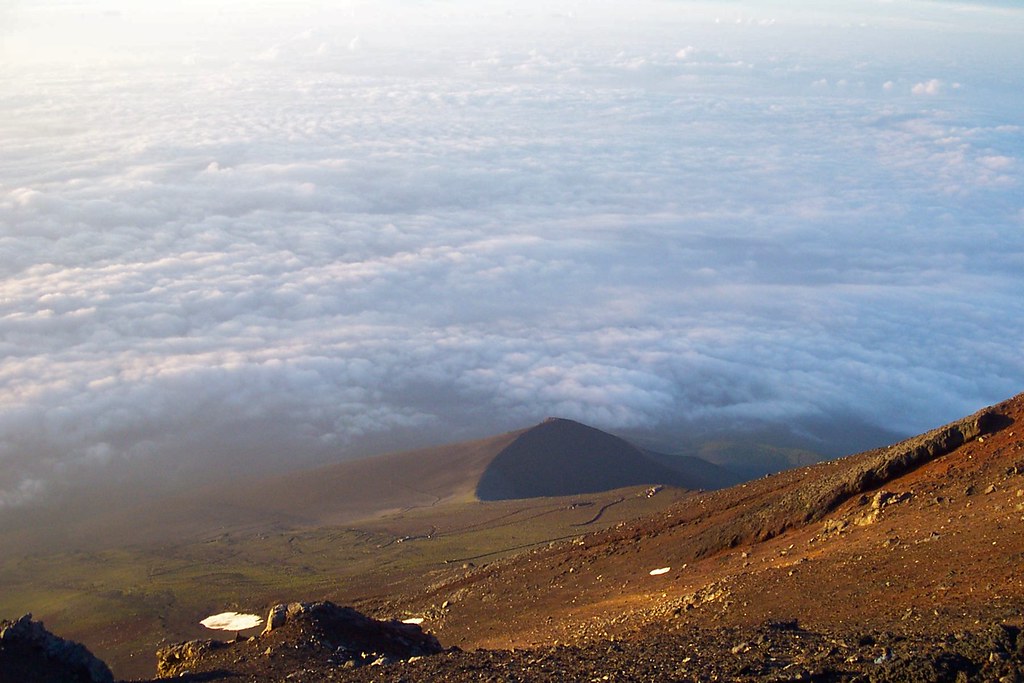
(248, 236)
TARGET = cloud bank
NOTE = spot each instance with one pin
(239, 239)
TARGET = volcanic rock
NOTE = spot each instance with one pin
(31, 654)
(354, 631)
(304, 634)
(177, 659)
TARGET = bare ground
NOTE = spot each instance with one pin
(898, 564)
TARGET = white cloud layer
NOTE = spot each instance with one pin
(261, 237)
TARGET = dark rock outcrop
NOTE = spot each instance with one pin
(31, 654)
(306, 634)
(177, 659)
(348, 628)
(775, 651)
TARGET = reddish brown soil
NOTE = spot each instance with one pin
(905, 580)
(944, 553)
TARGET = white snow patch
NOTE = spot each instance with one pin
(659, 572)
(413, 620)
(231, 621)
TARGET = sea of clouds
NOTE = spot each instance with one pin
(260, 235)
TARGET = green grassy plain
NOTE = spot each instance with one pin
(124, 602)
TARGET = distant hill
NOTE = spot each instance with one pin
(561, 457)
(555, 458)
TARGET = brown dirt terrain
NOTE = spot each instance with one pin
(124, 602)
(900, 564)
(889, 539)
(125, 578)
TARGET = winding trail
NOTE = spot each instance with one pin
(600, 512)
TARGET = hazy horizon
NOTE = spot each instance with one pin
(265, 234)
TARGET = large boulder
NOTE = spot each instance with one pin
(174, 660)
(306, 636)
(31, 654)
(353, 630)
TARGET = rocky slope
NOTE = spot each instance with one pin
(922, 539)
(301, 637)
(899, 564)
(774, 651)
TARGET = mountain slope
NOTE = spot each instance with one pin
(901, 563)
(924, 536)
(907, 544)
